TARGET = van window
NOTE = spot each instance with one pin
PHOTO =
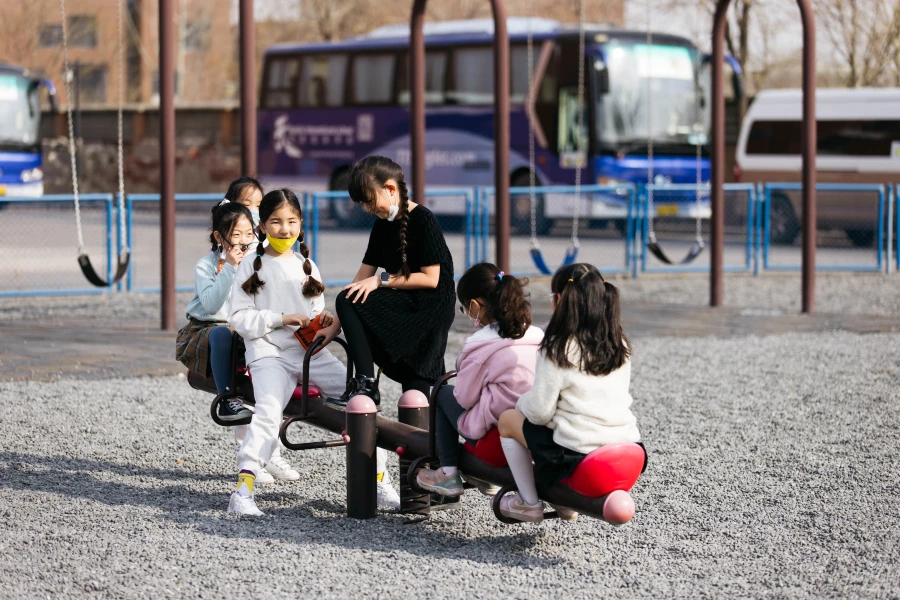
(373, 79)
(279, 81)
(435, 78)
(322, 80)
(835, 138)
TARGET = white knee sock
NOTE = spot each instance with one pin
(380, 460)
(523, 472)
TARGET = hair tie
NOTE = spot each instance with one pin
(224, 201)
(571, 280)
(500, 276)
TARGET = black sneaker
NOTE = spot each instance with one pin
(360, 384)
(233, 409)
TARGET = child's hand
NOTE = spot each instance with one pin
(234, 255)
(326, 318)
(329, 333)
(361, 289)
(297, 319)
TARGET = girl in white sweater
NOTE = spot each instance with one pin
(580, 399)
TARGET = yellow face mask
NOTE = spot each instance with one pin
(280, 245)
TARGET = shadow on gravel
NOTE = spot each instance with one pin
(290, 517)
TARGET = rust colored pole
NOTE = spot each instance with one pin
(717, 167)
(248, 88)
(167, 160)
(501, 135)
(808, 304)
(417, 98)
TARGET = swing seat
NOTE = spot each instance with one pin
(607, 469)
(90, 274)
(488, 449)
(538, 258)
(657, 251)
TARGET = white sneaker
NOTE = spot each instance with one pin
(264, 477)
(244, 505)
(281, 469)
(387, 495)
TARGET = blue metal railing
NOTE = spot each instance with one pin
(824, 187)
(107, 199)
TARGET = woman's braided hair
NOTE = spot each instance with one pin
(270, 203)
(370, 175)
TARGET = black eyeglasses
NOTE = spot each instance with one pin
(243, 247)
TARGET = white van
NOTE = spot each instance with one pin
(858, 134)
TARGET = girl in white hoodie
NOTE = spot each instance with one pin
(580, 399)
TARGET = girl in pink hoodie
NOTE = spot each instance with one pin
(495, 367)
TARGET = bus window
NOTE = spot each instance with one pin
(518, 72)
(568, 137)
(373, 78)
(473, 76)
(322, 80)
(435, 78)
(834, 138)
(279, 79)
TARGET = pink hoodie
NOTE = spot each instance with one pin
(492, 373)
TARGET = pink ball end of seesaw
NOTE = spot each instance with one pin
(618, 508)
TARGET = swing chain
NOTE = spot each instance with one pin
(67, 77)
(120, 43)
(531, 174)
(651, 234)
(581, 134)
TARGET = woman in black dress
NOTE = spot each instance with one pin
(398, 320)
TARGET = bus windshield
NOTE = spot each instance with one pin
(20, 113)
(622, 110)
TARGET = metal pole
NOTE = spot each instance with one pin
(248, 88)
(412, 409)
(501, 134)
(167, 160)
(361, 494)
(417, 98)
(809, 156)
(717, 174)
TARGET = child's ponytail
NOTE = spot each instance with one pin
(507, 302)
(587, 316)
(254, 284)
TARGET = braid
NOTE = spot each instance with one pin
(404, 222)
(254, 284)
(312, 287)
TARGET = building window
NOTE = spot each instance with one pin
(196, 36)
(92, 84)
(50, 36)
(83, 31)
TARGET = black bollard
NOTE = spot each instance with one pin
(361, 492)
(412, 409)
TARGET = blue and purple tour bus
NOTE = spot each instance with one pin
(325, 105)
(21, 172)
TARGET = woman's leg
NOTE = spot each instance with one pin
(219, 340)
(355, 334)
(516, 450)
(446, 430)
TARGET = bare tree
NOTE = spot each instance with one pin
(864, 35)
(20, 29)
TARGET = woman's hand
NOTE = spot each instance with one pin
(326, 318)
(360, 290)
(234, 255)
(297, 319)
(329, 333)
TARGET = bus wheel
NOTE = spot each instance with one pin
(520, 209)
(783, 225)
(348, 214)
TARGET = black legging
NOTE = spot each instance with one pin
(364, 350)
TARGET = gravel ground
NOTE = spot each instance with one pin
(846, 293)
(774, 478)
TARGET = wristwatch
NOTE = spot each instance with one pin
(385, 277)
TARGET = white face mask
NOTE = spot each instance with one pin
(393, 210)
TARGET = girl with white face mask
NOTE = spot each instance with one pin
(495, 367)
(400, 319)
